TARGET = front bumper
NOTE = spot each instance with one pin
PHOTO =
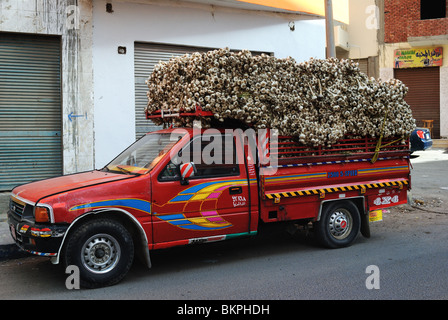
(39, 239)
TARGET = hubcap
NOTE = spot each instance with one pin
(100, 253)
(340, 224)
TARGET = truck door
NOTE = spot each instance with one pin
(215, 202)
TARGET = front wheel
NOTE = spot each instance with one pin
(102, 249)
(339, 224)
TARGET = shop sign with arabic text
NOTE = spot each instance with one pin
(417, 58)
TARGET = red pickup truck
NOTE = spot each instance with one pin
(161, 192)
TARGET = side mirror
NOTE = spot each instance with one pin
(187, 170)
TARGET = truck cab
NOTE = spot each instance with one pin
(99, 219)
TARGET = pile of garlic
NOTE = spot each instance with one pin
(317, 101)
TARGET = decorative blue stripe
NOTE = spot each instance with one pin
(180, 222)
(137, 204)
(197, 187)
(328, 162)
(168, 217)
(296, 175)
(383, 168)
(196, 227)
(184, 197)
(201, 186)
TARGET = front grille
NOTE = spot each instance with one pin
(17, 207)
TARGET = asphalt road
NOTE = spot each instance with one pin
(409, 249)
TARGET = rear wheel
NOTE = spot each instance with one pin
(102, 249)
(339, 224)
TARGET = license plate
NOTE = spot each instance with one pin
(13, 231)
(376, 215)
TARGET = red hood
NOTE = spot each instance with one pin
(36, 190)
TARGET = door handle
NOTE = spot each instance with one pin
(235, 190)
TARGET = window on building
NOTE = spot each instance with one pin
(433, 9)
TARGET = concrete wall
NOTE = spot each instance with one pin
(363, 29)
(98, 83)
(179, 24)
(72, 20)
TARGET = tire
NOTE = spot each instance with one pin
(102, 249)
(339, 224)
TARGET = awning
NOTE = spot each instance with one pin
(315, 7)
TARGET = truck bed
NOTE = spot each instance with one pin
(349, 169)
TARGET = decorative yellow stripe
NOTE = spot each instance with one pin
(298, 177)
(335, 189)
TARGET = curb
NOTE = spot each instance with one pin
(440, 143)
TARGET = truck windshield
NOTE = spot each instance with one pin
(144, 154)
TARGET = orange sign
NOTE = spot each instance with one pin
(340, 7)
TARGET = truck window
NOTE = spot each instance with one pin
(211, 154)
(144, 154)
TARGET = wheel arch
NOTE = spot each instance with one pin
(339, 222)
(361, 203)
(117, 214)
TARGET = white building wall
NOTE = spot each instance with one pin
(444, 101)
(192, 25)
(72, 20)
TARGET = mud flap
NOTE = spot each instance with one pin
(365, 226)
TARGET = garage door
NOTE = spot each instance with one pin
(423, 95)
(146, 56)
(30, 109)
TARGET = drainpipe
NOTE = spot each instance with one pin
(331, 51)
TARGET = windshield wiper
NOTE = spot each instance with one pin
(128, 171)
(124, 169)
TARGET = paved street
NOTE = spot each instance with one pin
(408, 247)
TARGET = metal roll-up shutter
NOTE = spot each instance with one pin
(30, 108)
(424, 94)
(363, 65)
(146, 56)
